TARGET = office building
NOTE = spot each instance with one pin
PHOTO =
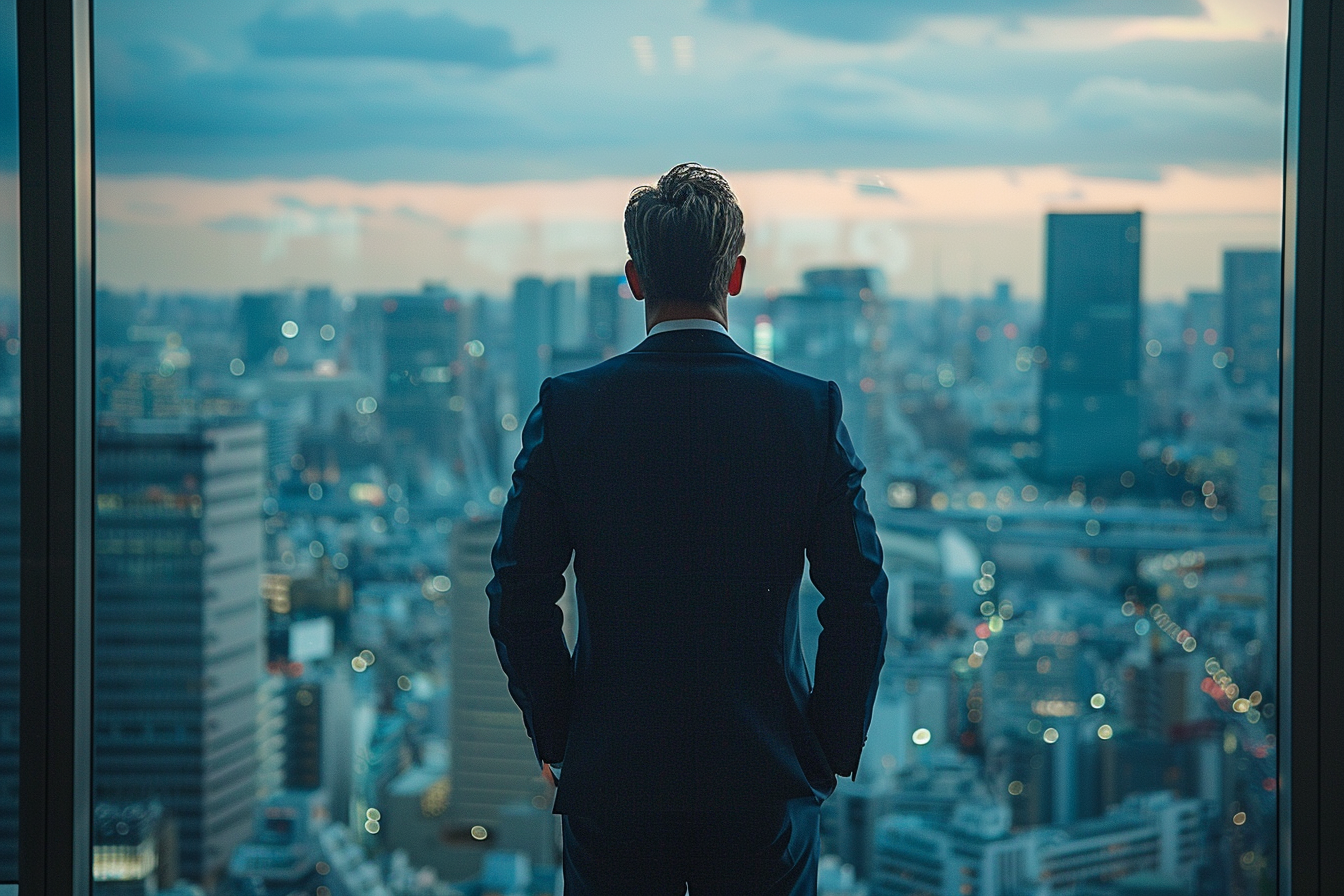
(317, 719)
(823, 332)
(261, 317)
(1251, 287)
(1205, 340)
(283, 855)
(493, 762)
(133, 846)
(976, 855)
(533, 338)
(604, 311)
(178, 629)
(571, 323)
(421, 342)
(1089, 399)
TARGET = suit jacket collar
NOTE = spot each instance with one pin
(689, 341)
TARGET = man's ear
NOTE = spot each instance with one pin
(735, 279)
(632, 277)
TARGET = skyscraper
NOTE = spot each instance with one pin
(1089, 400)
(493, 762)
(177, 627)
(533, 338)
(1205, 338)
(421, 340)
(604, 310)
(1251, 289)
(823, 332)
(260, 317)
(570, 322)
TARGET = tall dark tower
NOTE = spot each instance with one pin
(178, 627)
(1251, 287)
(1090, 331)
(421, 341)
(493, 762)
(533, 338)
(604, 310)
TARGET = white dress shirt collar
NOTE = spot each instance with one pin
(692, 323)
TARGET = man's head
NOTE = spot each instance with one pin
(685, 237)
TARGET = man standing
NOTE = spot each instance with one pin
(688, 479)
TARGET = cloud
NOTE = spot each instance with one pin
(1109, 103)
(1134, 106)
(874, 21)
(389, 34)
(198, 100)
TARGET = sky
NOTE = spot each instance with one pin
(372, 145)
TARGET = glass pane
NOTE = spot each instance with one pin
(9, 445)
(339, 249)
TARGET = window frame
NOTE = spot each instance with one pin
(57, 425)
(1312, 433)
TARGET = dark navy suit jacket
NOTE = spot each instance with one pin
(688, 479)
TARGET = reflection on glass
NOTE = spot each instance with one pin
(340, 251)
(9, 445)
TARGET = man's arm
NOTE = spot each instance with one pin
(846, 566)
(529, 560)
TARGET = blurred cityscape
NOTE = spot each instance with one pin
(297, 493)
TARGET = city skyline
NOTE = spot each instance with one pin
(932, 231)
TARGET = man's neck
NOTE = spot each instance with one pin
(657, 314)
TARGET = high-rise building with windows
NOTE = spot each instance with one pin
(178, 633)
(1205, 359)
(533, 337)
(1089, 400)
(1155, 834)
(604, 310)
(260, 318)
(571, 324)
(133, 849)
(823, 332)
(421, 342)
(1251, 287)
(493, 764)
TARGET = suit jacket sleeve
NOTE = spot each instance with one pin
(846, 566)
(529, 560)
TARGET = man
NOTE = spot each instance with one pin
(688, 479)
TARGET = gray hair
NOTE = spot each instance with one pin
(684, 235)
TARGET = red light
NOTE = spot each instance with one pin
(1010, 331)
(982, 631)
(867, 384)
(1268, 784)
(389, 305)
(1189, 336)
(1210, 337)
(762, 318)
(983, 333)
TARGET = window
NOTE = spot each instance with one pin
(1126, 593)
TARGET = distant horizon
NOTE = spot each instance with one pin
(931, 231)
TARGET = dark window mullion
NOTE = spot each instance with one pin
(1311, 608)
(56, 217)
